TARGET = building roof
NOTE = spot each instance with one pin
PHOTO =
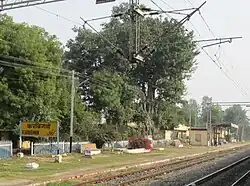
(225, 124)
(181, 128)
(198, 128)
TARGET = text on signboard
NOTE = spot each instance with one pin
(39, 126)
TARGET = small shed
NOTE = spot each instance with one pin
(181, 132)
(224, 131)
(199, 136)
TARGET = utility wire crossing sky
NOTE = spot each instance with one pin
(222, 71)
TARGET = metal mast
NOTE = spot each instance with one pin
(134, 33)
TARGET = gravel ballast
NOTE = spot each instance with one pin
(195, 172)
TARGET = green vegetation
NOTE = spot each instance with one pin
(35, 85)
(67, 183)
(35, 80)
(14, 169)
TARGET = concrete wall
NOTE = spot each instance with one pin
(168, 134)
(199, 137)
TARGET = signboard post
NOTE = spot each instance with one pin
(58, 147)
(39, 129)
(20, 136)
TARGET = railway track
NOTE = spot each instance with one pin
(242, 179)
(217, 173)
(151, 172)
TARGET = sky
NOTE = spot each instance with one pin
(224, 18)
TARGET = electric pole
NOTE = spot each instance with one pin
(134, 32)
(210, 124)
(190, 122)
(72, 109)
(242, 131)
(207, 110)
(195, 118)
(190, 116)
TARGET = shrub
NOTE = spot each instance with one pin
(136, 142)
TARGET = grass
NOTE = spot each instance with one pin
(14, 169)
(67, 183)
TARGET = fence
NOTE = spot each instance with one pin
(124, 144)
(6, 149)
(51, 148)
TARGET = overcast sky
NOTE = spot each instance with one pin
(225, 18)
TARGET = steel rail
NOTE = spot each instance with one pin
(148, 171)
(242, 179)
(218, 172)
(152, 169)
(161, 172)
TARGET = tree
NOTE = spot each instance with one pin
(216, 111)
(191, 112)
(112, 96)
(235, 114)
(33, 84)
(205, 109)
(217, 114)
(160, 79)
(28, 89)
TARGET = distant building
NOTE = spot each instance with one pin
(220, 133)
(199, 136)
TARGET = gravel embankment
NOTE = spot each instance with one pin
(246, 182)
(230, 176)
(195, 172)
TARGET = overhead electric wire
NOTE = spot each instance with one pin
(31, 63)
(208, 27)
(213, 34)
(176, 10)
(159, 7)
(119, 51)
(103, 37)
(166, 4)
(173, 29)
(76, 22)
(210, 30)
(226, 74)
(218, 63)
(59, 16)
(33, 68)
(226, 71)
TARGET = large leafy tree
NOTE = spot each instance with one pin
(113, 96)
(160, 78)
(235, 114)
(31, 60)
(216, 111)
(190, 110)
(33, 85)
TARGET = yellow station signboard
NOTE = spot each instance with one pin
(39, 129)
